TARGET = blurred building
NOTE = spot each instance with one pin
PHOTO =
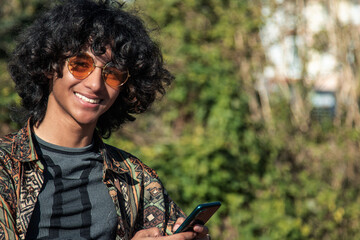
(303, 42)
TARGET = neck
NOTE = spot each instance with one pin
(64, 133)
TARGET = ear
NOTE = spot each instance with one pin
(51, 76)
(50, 72)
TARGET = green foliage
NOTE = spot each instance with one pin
(277, 183)
(216, 151)
(8, 98)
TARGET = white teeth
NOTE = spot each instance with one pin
(89, 100)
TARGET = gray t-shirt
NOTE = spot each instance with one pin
(74, 203)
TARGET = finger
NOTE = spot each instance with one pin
(178, 222)
(207, 237)
(201, 231)
(180, 236)
(151, 232)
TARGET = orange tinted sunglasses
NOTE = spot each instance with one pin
(82, 65)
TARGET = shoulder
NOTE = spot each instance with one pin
(17, 145)
(128, 161)
(9, 173)
(6, 149)
(9, 166)
(6, 143)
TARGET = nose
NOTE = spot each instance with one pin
(94, 80)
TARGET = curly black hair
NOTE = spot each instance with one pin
(73, 26)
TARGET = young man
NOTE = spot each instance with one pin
(81, 70)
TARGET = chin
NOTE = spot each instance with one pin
(83, 121)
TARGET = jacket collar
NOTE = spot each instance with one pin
(24, 150)
(113, 160)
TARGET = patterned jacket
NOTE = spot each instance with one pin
(139, 197)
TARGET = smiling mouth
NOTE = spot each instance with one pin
(89, 100)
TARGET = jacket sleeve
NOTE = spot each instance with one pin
(174, 213)
(159, 210)
(148, 202)
(7, 202)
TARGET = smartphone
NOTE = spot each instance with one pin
(201, 214)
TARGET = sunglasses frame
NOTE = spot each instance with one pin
(103, 72)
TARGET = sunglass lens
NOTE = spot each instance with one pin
(114, 77)
(81, 66)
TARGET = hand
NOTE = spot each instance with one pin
(155, 234)
(202, 232)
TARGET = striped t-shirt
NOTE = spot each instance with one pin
(74, 202)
